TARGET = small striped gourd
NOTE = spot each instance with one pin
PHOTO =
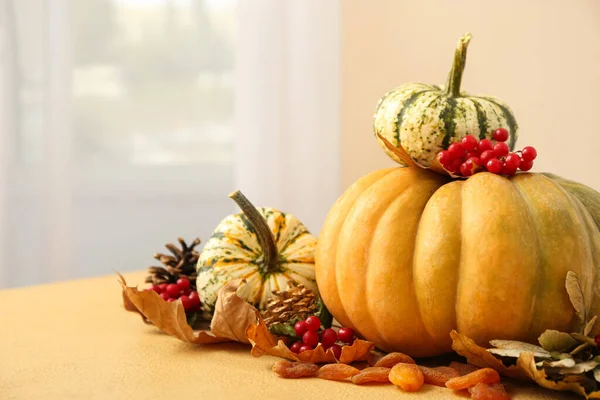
(264, 246)
(425, 119)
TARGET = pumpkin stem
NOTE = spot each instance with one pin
(458, 66)
(262, 230)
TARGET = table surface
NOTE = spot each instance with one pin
(73, 340)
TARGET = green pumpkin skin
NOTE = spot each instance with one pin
(425, 119)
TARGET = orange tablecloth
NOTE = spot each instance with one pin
(73, 340)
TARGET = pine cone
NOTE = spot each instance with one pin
(182, 264)
(296, 303)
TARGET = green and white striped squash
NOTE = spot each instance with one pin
(425, 119)
(266, 247)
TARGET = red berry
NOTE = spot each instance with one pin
(501, 149)
(465, 170)
(165, 296)
(456, 150)
(508, 171)
(328, 337)
(313, 323)
(444, 158)
(486, 156)
(300, 327)
(304, 347)
(494, 166)
(469, 142)
(173, 290)
(454, 166)
(195, 298)
(170, 300)
(346, 335)
(310, 338)
(337, 350)
(475, 161)
(187, 291)
(529, 153)
(183, 283)
(295, 348)
(187, 303)
(471, 154)
(500, 135)
(512, 161)
(597, 339)
(526, 165)
(163, 287)
(485, 144)
(157, 289)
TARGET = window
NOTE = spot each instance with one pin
(123, 130)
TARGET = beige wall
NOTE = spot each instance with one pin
(541, 56)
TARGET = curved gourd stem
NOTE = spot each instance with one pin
(262, 230)
(458, 66)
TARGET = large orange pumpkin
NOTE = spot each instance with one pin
(407, 255)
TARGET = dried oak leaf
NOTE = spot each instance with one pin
(264, 342)
(572, 383)
(232, 317)
(575, 292)
(589, 327)
(129, 306)
(480, 357)
(552, 340)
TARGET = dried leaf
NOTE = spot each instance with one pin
(401, 153)
(590, 326)
(580, 348)
(597, 374)
(516, 353)
(129, 306)
(480, 357)
(527, 363)
(168, 317)
(564, 363)
(573, 287)
(584, 339)
(232, 314)
(579, 368)
(516, 345)
(264, 342)
(552, 340)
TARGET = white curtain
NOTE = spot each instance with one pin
(125, 123)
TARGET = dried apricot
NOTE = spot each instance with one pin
(484, 375)
(289, 369)
(438, 376)
(462, 368)
(392, 359)
(372, 374)
(485, 391)
(337, 372)
(408, 376)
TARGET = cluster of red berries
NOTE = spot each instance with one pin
(471, 156)
(179, 291)
(308, 330)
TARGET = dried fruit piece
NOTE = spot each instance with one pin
(408, 376)
(462, 368)
(392, 359)
(292, 370)
(372, 374)
(438, 376)
(485, 391)
(337, 372)
(483, 375)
